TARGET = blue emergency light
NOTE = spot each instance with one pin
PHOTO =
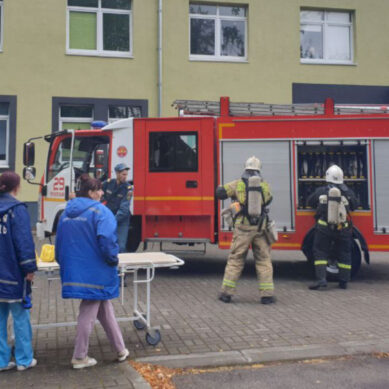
(98, 124)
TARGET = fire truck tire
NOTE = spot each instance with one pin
(356, 259)
(56, 220)
(153, 338)
(356, 256)
(134, 234)
(307, 249)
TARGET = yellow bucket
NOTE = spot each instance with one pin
(47, 253)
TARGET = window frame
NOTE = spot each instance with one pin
(4, 163)
(65, 119)
(1, 24)
(324, 24)
(177, 134)
(217, 57)
(99, 11)
(100, 107)
(9, 163)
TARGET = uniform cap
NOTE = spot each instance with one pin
(120, 167)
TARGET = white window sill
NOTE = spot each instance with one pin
(217, 59)
(99, 54)
(321, 62)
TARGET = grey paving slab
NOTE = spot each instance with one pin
(196, 327)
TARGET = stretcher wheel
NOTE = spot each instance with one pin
(154, 339)
(139, 325)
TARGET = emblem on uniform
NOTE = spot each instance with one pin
(121, 151)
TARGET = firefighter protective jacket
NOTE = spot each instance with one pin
(237, 190)
(87, 251)
(321, 209)
(17, 251)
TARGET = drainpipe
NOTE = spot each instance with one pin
(159, 58)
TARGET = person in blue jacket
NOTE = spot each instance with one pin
(87, 252)
(17, 267)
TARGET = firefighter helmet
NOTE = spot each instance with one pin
(253, 163)
(334, 174)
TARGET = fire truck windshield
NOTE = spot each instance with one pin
(83, 155)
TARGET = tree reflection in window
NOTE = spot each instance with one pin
(218, 31)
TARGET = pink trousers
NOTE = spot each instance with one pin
(90, 310)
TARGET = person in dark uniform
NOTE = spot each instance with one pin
(333, 232)
(117, 197)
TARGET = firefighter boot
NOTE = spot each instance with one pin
(343, 284)
(321, 284)
(268, 300)
(226, 298)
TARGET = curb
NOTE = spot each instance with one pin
(137, 381)
(274, 354)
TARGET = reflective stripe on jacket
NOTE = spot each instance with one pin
(237, 190)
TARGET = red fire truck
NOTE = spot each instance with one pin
(176, 164)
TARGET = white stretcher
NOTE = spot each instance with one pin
(130, 263)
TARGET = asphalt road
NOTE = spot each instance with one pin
(358, 372)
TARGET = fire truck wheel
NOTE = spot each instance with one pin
(356, 259)
(307, 249)
(153, 338)
(332, 274)
(134, 234)
(55, 225)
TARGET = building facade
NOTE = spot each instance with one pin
(64, 63)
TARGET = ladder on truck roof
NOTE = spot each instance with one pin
(212, 108)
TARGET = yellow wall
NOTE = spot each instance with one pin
(34, 65)
(273, 53)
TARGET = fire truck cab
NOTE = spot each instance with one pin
(176, 164)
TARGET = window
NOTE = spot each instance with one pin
(1, 25)
(4, 134)
(326, 37)
(76, 117)
(116, 112)
(218, 32)
(173, 152)
(99, 27)
(79, 112)
(83, 156)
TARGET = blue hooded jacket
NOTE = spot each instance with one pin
(86, 249)
(17, 250)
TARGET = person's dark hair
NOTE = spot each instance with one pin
(9, 181)
(85, 183)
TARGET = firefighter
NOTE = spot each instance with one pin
(333, 230)
(250, 222)
(117, 197)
